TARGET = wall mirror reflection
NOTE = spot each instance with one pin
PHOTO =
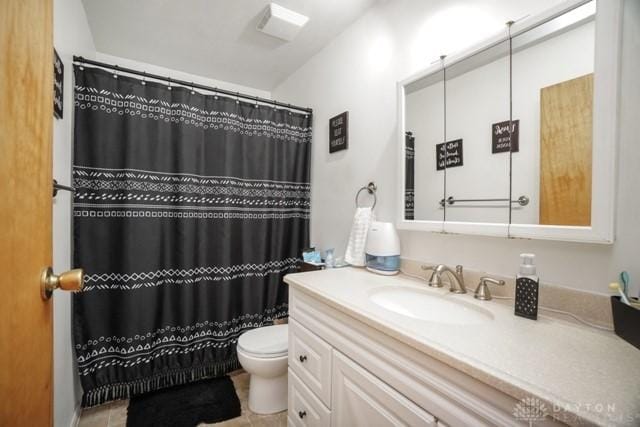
(500, 139)
(477, 179)
(553, 66)
(424, 130)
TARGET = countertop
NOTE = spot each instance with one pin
(591, 374)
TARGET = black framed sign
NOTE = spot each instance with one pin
(58, 84)
(449, 154)
(339, 132)
(500, 137)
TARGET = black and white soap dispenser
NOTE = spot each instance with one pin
(527, 284)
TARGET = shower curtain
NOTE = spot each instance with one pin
(189, 209)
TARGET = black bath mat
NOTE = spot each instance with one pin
(207, 401)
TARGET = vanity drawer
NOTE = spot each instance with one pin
(310, 359)
(305, 409)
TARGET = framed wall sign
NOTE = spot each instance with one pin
(500, 137)
(339, 132)
(449, 154)
(58, 84)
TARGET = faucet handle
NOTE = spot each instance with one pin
(434, 279)
(460, 273)
(482, 291)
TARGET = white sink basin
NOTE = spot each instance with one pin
(423, 305)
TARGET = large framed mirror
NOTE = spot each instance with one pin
(516, 136)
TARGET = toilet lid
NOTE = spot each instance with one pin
(268, 341)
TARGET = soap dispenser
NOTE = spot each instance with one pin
(527, 284)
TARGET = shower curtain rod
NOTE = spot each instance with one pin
(81, 60)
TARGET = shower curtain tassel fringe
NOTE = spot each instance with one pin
(104, 394)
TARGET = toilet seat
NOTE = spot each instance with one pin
(266, 342)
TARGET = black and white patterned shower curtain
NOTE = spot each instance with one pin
(188, 211)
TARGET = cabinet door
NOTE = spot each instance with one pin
(359, 399)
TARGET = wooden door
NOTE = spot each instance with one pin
(566, 122)
(26, 119)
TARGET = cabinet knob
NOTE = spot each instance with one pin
(302, 414)
(302, 358)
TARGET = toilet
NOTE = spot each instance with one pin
(262, 352)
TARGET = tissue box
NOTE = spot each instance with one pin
(626, 321)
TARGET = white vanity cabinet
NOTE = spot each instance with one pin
(343, 372)
(320, 377)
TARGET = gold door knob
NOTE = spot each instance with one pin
(72, 280)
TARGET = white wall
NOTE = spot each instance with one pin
(358, 72)
(71, 35)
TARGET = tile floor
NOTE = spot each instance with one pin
(114, 414)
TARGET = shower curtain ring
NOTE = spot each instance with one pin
(215, 93)
(192, 91)
(144, 78)
(256, 106)
(169, 79)
(115, 74)
(237, 97)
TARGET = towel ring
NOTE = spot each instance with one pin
(371, 189)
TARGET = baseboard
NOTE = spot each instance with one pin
(75, 420)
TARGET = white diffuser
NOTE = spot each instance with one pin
(383, 249)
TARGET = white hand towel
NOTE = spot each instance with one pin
(358, 236)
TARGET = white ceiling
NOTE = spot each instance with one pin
(216, 38)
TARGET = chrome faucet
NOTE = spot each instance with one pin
(456, 282)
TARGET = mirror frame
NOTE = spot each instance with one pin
(608, 39)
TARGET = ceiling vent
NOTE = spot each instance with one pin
(281, 22)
